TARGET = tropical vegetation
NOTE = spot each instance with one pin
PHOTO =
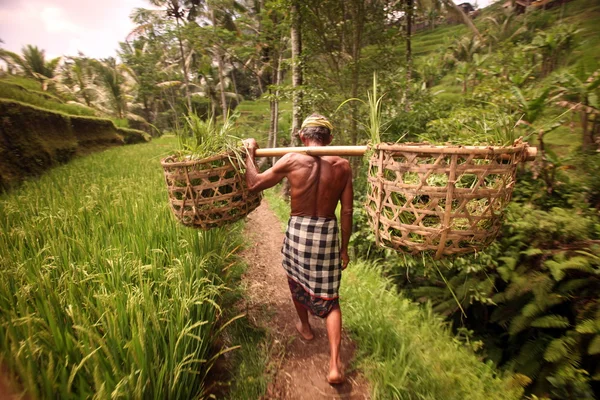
(528, 305)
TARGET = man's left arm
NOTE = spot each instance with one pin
(346, 216)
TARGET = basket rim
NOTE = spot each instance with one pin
(429, 148)
(166, 163)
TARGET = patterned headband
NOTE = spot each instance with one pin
(317, 120)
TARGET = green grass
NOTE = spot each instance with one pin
(46, 101)
(277, 205)
(247, 365)
(102, 292)
(404, 350)
(27, 83)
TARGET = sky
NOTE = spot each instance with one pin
(65, 27)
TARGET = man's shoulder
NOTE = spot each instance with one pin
(338, 161)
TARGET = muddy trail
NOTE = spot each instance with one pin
(298, 368)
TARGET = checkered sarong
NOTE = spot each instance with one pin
(311, 255)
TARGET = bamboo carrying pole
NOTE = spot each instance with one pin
(358, 151)
(314, 151)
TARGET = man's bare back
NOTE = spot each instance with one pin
(317, 184)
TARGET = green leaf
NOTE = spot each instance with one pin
(532, 252)
(594, 347)
(510, 262)
(556, 350)
(519, 324)
(555, 269)
(588, 326)
(551, 321)
(505, 273)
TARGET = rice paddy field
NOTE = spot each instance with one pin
(102, 293)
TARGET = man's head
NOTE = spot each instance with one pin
(316, 128)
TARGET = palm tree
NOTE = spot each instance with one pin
(551, 45)
(211, 86)
(78, 78)
(32, 63)
(180, 11)
(579, 92)
(113, 80)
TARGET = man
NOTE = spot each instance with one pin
(312, 257)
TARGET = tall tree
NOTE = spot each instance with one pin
(297, 70)
(217, 55)
(111, 77)
(579, 92)
(181, 11)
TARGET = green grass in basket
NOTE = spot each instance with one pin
(200, 139)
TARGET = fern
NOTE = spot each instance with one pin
(580, 263)
(594, 347)
(559, 349)
(588, 326)
(519, 324)
(551, 321)
(530, 357)
(540, 304)
(574, 285)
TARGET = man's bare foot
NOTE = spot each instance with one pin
(305, 332)
(336, 376)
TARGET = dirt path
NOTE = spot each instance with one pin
(299, 368)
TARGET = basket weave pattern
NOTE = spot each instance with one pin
(443, 199)
(209, 192)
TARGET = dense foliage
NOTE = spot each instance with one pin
(529, 303)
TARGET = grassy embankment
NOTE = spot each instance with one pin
(33, 139)
(404, 350)
(583, 14)
(102, 293)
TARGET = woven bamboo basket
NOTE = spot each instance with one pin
(208, 193)
(442, 199)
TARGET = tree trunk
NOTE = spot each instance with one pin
(258, 6)
(217, 52)
(358, 15)
(184, 67)
(296, 38)
(587, 138)
(276, 59)
(409, 19)
(234, 84)
(278, 80)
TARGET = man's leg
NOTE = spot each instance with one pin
(334, 333)
(303, 325)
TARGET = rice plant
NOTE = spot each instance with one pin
(407, 352)
(200, 138)
(374, 102)
(102, 293)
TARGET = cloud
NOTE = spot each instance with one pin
(63, 27)
(55, 20)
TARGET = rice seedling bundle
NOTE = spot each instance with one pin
(205, 181)
(442, 199)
